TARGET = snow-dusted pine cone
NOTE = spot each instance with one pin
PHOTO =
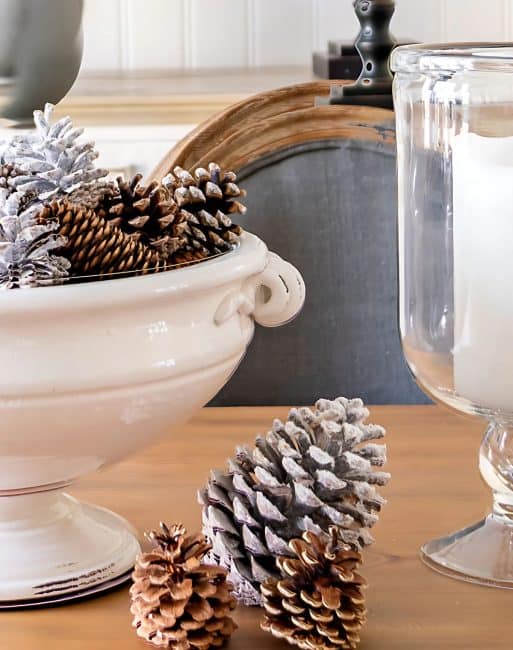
(316, 470)
(178, 601)
(29, 252)
(35, 168)
(319, 603)
(29, 262)
(52, 161)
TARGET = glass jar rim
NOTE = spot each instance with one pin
(453, 57)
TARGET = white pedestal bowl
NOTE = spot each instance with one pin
(93, 372)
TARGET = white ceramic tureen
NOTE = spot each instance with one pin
(93, 372)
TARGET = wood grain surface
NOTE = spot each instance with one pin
(165, 97)
(275, 120)
(435, 488)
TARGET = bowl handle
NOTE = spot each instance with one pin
(272, 297)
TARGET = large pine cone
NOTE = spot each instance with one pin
(318, 604)
(312, 472)
(177, 601)
(96, 247)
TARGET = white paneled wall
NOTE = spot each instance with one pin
(222, 28)
(194, 34)
(489, 20)
(152, 32)
(282, 31)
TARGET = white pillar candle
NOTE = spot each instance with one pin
(483, 270)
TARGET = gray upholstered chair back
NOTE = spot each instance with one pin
(328, 205)
(330, 208)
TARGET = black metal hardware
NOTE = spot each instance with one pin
(374, 45)
(341, 61)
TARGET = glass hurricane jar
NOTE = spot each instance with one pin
(454, 110)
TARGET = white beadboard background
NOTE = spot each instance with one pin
(198, 34)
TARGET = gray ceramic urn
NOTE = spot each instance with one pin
(40, 53)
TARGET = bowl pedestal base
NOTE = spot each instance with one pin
(54, 548)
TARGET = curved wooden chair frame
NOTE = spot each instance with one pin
(275, 120)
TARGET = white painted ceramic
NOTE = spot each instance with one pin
(93, 372)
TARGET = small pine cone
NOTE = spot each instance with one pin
(318, 603)
(146, 213)
(206, 199)
(96, 247)
(178, 601)
(143, 211)
(316, 470)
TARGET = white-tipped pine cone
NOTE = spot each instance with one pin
(52, 161)
(316, 470)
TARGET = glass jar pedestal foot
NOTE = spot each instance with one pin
(483, 553)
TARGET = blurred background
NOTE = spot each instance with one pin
(152, 69)
(194, 34)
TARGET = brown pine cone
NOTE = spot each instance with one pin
(146, 213)
(184, 218)
(318, 604)
(177, 601)
(187, 257)
(94, 195)
(95, 246)
(205, 201)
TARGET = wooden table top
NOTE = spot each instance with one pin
(170, 97)
(435, 488)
